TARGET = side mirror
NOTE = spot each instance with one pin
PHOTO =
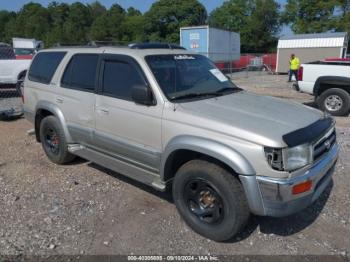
(141, 94)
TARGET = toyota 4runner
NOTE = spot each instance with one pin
(170, 119)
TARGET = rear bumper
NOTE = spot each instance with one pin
(273, 197)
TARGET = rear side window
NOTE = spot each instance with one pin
(118, 79)
(44, 66)
(81, 72)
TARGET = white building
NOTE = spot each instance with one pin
(310, 47)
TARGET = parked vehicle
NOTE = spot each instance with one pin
(26, 48)
(329, 82)
(12, 71)
(168, 117)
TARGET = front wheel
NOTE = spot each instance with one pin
(335, 101)
(210, 200)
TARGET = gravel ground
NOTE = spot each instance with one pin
(83, 208)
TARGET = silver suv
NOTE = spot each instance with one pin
(170, 119)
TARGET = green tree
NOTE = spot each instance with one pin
(133, 12)
(263, 26)
(110, 25)
(75, 28)
(310, 16)
(133, 26)
(59, 13)
(342, 22)
(32, 21)
(5, 17)
(97, 9)
(257, 21)
(165, 17)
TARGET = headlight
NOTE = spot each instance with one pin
(288, 159)
(296, 157)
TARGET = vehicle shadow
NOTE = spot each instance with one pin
(312, 104)
(286, 226)
(167, 196)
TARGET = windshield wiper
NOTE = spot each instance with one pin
(219, 92)
(194, 95)
(226, 89)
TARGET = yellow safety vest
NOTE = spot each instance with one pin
(294, 63)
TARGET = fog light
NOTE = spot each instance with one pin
(302, 187)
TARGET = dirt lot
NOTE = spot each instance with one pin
(84, 209)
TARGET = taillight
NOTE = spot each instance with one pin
(300, 73)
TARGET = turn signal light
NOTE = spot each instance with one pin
(302, 187)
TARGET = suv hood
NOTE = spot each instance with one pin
(256, 118)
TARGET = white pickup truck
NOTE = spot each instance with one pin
(12, 70)
(329, 82)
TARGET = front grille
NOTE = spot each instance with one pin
(323, 145)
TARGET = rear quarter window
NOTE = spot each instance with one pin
(44, 66)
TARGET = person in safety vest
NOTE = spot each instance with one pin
(294, 65)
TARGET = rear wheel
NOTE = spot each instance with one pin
(335, 101)
(53, 141)
(210, 200)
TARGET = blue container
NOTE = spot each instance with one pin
(219, 45)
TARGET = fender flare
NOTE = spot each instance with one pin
(317, 86)
(57, 113)
(212, 148)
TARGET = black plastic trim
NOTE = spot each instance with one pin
(309, 133)
(155, 46)
(331, 80)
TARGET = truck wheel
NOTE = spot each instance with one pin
(336, 101)
(210, 200)
(53, 141)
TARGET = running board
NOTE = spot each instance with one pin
(119, 166)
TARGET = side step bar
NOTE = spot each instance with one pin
(118, 165)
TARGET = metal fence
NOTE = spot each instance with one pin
(10, 94)
(246, 62)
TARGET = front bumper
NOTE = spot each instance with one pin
(273, 197)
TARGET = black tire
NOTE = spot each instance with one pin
(231, 208)
(341, 100)
(54, 142)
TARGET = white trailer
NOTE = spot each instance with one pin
(27, 43)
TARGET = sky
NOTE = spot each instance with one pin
(142, 5)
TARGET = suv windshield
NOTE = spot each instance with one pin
(189, 77)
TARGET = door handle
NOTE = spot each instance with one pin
(103, 110)
(59, 100)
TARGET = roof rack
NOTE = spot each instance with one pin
(94, 44)
(155, 46)
(105, 43)
(57, 45)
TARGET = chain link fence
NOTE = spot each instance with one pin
(11, 105)
(255, 66)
